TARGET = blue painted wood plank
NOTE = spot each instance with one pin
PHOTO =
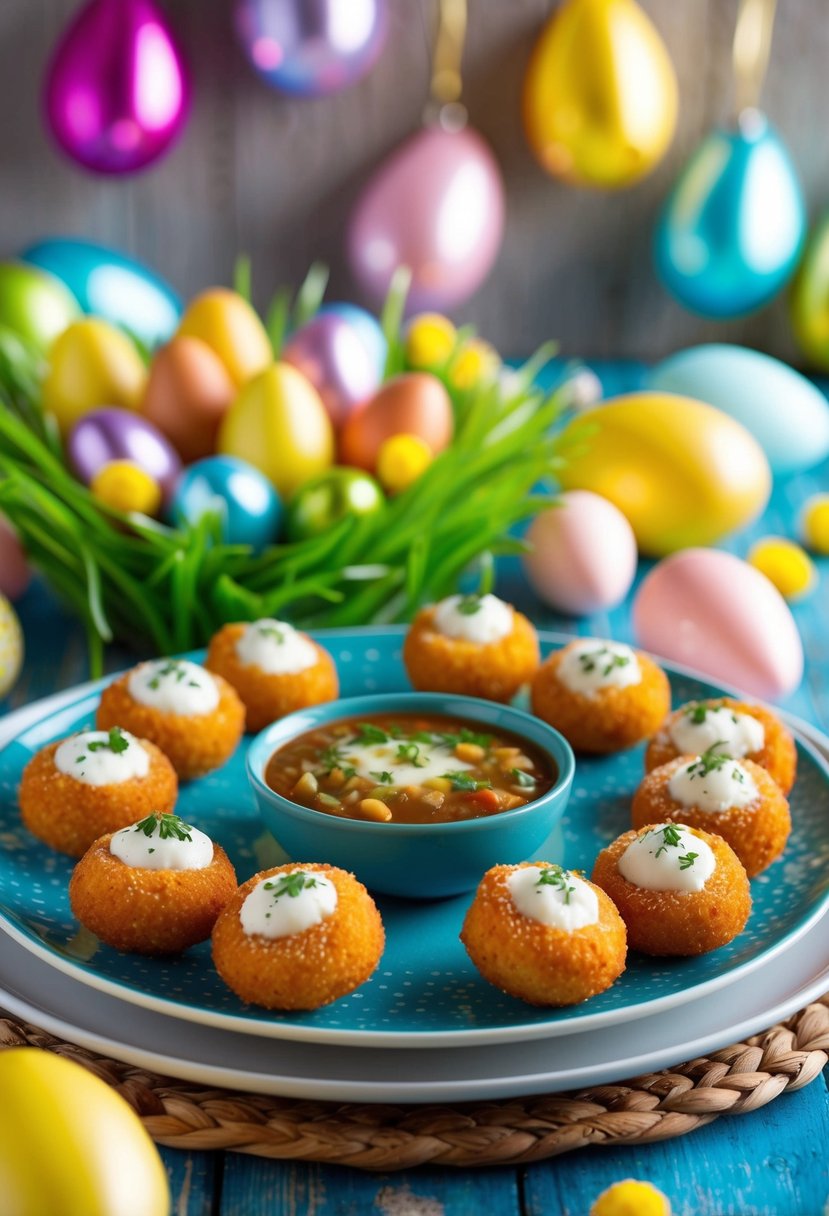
(194, 1179)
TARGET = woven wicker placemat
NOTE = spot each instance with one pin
(655, 1106)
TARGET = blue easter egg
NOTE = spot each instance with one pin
(732, 230)
(369, 329)
(783, 410)
(107, 284)
(249, 506)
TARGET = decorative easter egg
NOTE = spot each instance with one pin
(247, 504)
(231, 327)
(785, 564)
(809, 300)
(600, 94)
(108, 435)
(110, 285)
(784, 411)
(732, 230)
(188, 394)
(476, 363)
(437, 206)
(125, 486)
(430, 340)
(11, 655)
(15, 574)
(103, 1164)
(325, 500)
(682, 472)
(583, 555)
(715, 613)
(368, 327)
(279, 425)
(401, 460)
(91, 364)
(415, 403)
(814, 524)
(34, 304)
(336, 360)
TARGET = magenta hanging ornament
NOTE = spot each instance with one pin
(116, 93)
(437, 204)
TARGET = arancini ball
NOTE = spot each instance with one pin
(97, 781)
(544, 934)
(603, 696)
(274, 669)
(679, 890)
(298, 936)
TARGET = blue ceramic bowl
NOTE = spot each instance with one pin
(415, 860)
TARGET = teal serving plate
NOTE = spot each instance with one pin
(425, 993)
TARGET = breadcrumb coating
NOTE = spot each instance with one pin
(492, 670)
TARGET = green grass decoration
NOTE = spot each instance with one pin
(144, 583)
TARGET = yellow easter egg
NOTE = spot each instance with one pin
(631, 1198)
(125, 486)
(71, 1145)
(401, 460)
(430, 340)
(814, 524)
(91, 364)
(785, 565)
(231, 327)
(11, 646)
(279, 424)
(683, 473)
(600, 94)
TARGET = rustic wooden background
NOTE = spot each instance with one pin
(275, 177)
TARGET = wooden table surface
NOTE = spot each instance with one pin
(774, 1162)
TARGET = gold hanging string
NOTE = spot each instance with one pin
(752, 47)
(447, 82)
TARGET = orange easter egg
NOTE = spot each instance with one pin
(188, 393)
(414, 404)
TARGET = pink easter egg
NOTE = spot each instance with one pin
(583, 558)
(15, 574)
(711, 611)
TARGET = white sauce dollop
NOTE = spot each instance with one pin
(100, 764)
(141, 851)
(174, 686)
(735, 734)
(668, 858)
(302, 904)
(275, 648)
(431, 760)
(593, 664)
(490, 621)
(728, 785)
(566, 902)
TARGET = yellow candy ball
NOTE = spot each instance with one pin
(125, 486)
(785, 565)
(11, 646)
(631, 1198)
(401, 460)
(430, 340)
(475, 363)
(814, 524)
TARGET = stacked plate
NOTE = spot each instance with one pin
(398, 1038)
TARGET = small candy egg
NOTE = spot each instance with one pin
(325, 500)
(15, 574)
(415, 403)
(278, 424)
(814, 524)
(188, 394)
(249, 507)
(785, 565)
(125, 486)
(11, 647)
(110, 434)
(228, 324)
(583, 556)
(711, 611)
(475, 363)
(91, 364)
(336, 360)
(430, 340)
(401, 460)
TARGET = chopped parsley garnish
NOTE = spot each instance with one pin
(604, 658)
(671, 838)
(468, 605)
(462, 781)
(521, 778)
(464, 735)
(80, 759)
(697, 715)
(382, 778)
(332, 757)
(555, 876)
(367, 732)
(173, 667)
(170, 827)
(291, 884)
(687, 860)
(710, 761)
(272, 631)
(409, 753)
(116, 742)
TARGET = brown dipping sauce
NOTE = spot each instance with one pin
(409, 768)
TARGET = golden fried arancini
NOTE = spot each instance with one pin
(679, 890)
(471, 644)
(602, 696)
(155, 887)
(274, 669)
(195, 717)
(544, 934)
(740, 728)
(297, 937)
(735, 799)
(79, 788)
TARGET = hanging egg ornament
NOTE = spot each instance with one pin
(188, 394)
(600, 95)
(230, 326)
(91, 364)
(107, 435)
(117, 94)
(415, 403)
(732, 230)
(310, 48)
(336, 360)
(110, 285)
(34, 304)
(324, 501)
(11, 647)
(809, 300)
(248, 506)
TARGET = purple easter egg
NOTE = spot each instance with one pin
(114, 434)
(338, 362)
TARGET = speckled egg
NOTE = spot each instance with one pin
(11, 647)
